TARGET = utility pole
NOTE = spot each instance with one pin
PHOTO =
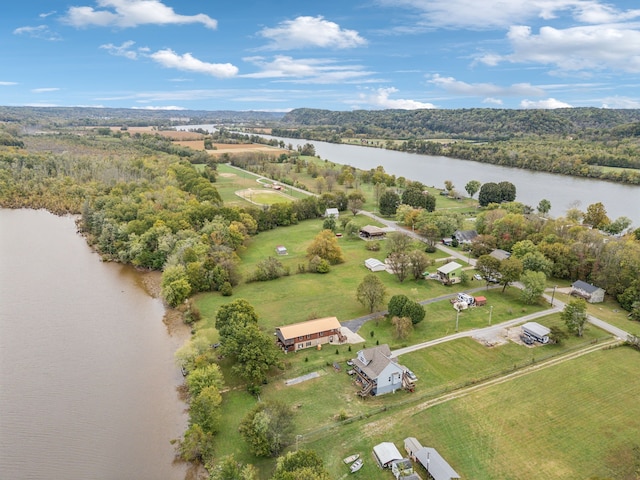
(457, 316)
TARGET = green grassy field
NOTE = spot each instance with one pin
(575, 420)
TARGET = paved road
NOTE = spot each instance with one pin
(492, 330)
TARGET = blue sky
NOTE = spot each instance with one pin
(337, 55)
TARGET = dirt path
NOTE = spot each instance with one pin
(412, 409)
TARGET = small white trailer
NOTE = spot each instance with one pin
(537, 332)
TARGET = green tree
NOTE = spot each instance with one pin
(175, 285)
(544, 206)
(388, 203)
(371, 292)
(268, 428)
(574, 316)
(537, 262)
(507, 191)
(229, 469)
(300, 465)
(510, 271)
(196, 444)
(472, 187)
(414, 311)
(488, 266)
(396, 305)
(400, 265)
(255, 353)
(325, 245)
(489, 193)
(329, 223)
(355, 202)
(203, 377)
(204, 409)
(233, 316)
(534, 284)
(398, 242)
(596, 215)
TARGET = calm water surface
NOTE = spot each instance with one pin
(562, 191)
(87, 378)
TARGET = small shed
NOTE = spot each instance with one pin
(590, 293)
(281, 250)
(331, 212)
(450, 273)
(480, 301)
(386, 453)
(375, 265)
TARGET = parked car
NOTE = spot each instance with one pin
(477, 276)
(526, 339)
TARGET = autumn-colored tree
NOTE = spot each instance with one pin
(325, 245)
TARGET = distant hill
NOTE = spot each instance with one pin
(474, 123)
(92, 116)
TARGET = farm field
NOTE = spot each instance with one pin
(585, 426)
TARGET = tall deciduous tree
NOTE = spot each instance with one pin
(575, 316)
(371, 292)
(325, 245)
(488, 266)
(300, 465)
(472, 187)
(389, 202)
(267, 428)
(596, 215)
(510, 271)
(402, 327)
(534, 285)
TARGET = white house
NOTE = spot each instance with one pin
(450, 273)
(375, 265)
(538, 332)
(379, 373)
(590, 293)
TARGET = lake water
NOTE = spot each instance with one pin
(88, 385)
(562, 191)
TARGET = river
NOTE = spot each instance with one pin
(562, 191)
(88, 385)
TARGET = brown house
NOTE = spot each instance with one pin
(311, 333)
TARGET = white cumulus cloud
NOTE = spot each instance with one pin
(380, 98)
(309, 70)
(548, 103)
(451, 85)
(305, 32)
(131, 13)
(187, 62)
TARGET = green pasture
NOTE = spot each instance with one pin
(301, 296)
(578, 419)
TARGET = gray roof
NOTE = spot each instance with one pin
(449, 267)
(376, 360)
(500, 254)
(584, 286)
(465, 235)
(386, 452)
(536, 328)
(437, 466)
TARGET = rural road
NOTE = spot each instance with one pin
(491, 331)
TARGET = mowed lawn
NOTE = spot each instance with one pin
(576, 420)
(300, 297)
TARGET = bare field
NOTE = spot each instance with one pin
(242, 148)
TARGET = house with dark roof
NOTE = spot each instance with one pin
(379, 373)
(465, 236)
(370, 232)
(590, 293)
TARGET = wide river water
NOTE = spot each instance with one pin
(562, 191)
(88, 384)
